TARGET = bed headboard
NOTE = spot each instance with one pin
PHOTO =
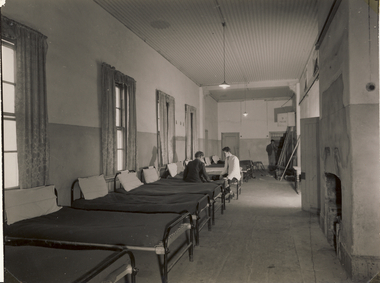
(76, 192)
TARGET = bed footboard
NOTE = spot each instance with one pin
(118, 252)
(202, 216)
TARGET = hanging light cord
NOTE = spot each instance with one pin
(224, 50)
(369, 40)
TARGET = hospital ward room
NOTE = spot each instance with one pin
(191, 141)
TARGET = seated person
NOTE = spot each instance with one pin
(195, 170)
(231, 170)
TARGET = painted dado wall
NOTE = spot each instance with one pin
(81, 35)
(349, 128)
(254, 129)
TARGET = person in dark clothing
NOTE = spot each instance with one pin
(272, 152)
(195, 170)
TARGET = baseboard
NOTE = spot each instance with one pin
(361, 269)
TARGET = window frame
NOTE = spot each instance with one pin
(122, 127)
(10, 116)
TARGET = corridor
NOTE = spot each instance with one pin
(262, 237)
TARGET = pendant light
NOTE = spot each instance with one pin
(245, 114)
(224, 85)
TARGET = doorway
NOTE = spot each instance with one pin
(232, 140)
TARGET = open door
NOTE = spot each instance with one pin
(232, 140)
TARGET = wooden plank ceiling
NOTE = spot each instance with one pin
(267, 42)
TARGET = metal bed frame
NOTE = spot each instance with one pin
(173, 230)
(119, 252)
(200, 221)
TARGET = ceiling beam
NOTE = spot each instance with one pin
(253, 85)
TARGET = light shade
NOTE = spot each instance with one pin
(224, 85)
(245, 114)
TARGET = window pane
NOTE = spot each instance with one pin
(10, 135)
(120, 160)
(10, 170)
(117, 91)
(9, 98)
(119, 141)
(8, 56)
(118, 114)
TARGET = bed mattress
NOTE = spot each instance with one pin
(175, 203)
(102, 227)
(176, 186)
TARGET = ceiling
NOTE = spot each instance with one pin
(267, 42)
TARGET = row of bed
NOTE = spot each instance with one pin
(96, 236)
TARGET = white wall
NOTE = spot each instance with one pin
(254, 129)
(81, 35)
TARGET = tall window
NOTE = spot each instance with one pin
(9, 115)
(191, 131)
(26, 158)
(165, 128)
(121, 125)
(119, 131)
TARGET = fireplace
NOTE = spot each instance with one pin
(333, 209)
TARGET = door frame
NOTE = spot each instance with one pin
(237, 134)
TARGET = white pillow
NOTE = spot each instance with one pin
(129, 181)
(93, 187)
(173, 170)
(29, 203)
(207, 161)
(150, 175)
(215, 158)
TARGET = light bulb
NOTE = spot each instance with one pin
(224, 85)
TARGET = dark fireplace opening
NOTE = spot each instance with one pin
(333, 209)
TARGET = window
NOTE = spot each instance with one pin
(165, 128)
(121, 122)
(119, 129)
(9, 116)
(190, 131)
(26, 159)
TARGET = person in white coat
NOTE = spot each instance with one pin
(231, 170)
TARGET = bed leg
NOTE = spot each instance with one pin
(191, 253)
(191, 249)
(213, 213)
(165, 267)
(196, 232)
(209, 218)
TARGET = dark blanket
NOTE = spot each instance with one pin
(218, 165)
(45, 265)
(175, 186)
(102, 227)
(144, 203)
